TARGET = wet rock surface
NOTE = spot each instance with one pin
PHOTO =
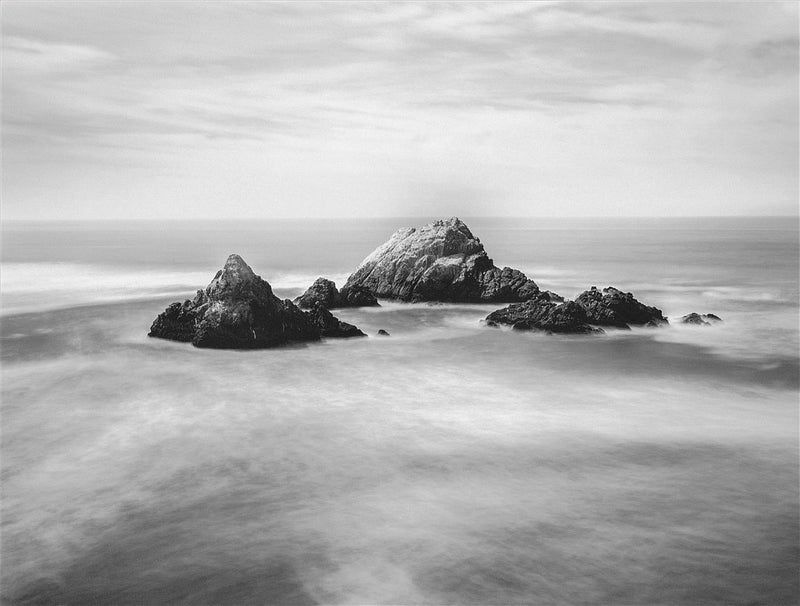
(612, 307)
(441, 261)
(699, 319)
(238, 310)
(325, 293)
(546, 312)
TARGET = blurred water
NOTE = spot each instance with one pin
(449, 463)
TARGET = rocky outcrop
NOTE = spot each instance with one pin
(441, 261)
(325, 293)
(383, 333)
(699, 319)
(330, 326)
(237, 310)
(544, 311)
(612, 307)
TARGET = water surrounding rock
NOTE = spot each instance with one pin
(441, 261)
(699, 319)
(545, 311)
(324, 292)
(612, 307)
(238, 310)
(383, 333)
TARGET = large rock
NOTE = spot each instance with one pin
(544, 311)
(324, 292)
(237, 310)
(612, 307)
(441, 261)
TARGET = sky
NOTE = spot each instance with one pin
(188, 110)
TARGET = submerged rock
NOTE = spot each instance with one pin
(237, 310)
(441, 261)
(544, 311)
(324, 292)
(699, 319)
(383, 333)
(612, 307)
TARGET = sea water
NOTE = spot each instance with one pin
(450, 463)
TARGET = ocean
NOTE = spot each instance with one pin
(450, 463)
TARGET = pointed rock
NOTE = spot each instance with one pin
(237, 310)
(441, 261)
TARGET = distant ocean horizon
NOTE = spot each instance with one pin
(449, 463)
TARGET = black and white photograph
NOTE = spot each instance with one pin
(399, 302)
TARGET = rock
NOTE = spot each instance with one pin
(237, 310)
(699, 319)
(324, 292)
(441, 261)
(546, 312)
(330, 326)
(358, 296)
(383, 333)
(612, 307)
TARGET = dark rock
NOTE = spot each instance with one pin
(322, 291)
(699, 319)
(237, 310)
(325, 293)
(546, 312)
(330, 326)
(383, 333)
(441, 261)
(612, 307)
(358, 296)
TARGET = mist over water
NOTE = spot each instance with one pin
(450, 463)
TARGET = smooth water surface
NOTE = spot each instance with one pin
(450, 463)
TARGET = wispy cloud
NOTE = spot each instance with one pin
(640, 96)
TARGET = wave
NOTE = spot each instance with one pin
(35, 287)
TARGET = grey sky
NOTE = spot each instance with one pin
(256, 109)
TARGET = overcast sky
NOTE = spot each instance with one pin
(256, 109)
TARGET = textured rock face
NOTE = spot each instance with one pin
(237, 310)
(325, 293)
(612, 307)
(331, 326)
(545, 311)
(441, 261)
(699, 319)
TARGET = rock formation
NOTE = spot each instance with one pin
(324, 292)
(612, 307)
(238, 310)
(441, 261)
(544, 311)
(330, 326)
(550, 312)
(699, 319)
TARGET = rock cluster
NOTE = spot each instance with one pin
(238, 310)
(441, 261)
(592, 308)
(325, 293)
(699, 319)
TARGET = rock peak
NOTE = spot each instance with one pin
(236, 266)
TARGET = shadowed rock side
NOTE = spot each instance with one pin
(549, 312)
(238, 310)
(699, 319)
(544, 311)
(612, 307)
(441, 261)
(325, 293)
(331, 326)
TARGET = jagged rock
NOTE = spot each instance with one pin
(324, 292)
(358, 296)
(441, 261)
(383, 333)
(699, 319)
(612, 307)
(330, 326)
(544, 311)
(237, 310)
